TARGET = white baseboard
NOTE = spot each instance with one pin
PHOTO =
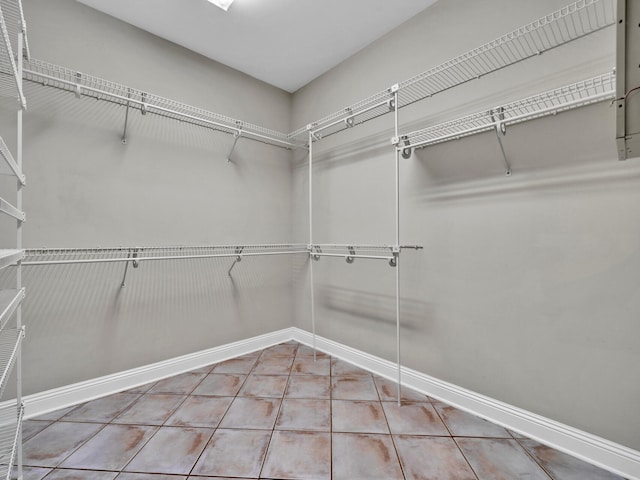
(585, 446)
(590, 448)
(57, 398)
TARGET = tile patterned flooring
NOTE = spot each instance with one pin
(277, 414)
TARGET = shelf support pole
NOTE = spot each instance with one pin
(395, 89)
(311, 285)
(19, 473)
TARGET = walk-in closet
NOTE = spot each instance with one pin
(336, 240)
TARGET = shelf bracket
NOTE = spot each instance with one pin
(315, 249)
(352, 251)
(131, 255)
(143, 105)
(78, 92)
(238, 258)
(126, 120)
(395, 250)
(497, 116)
(236, 137)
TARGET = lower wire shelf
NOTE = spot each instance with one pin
(10, 426)
(10, 340)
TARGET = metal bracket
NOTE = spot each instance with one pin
(126, 120)
(238, 252)
(394, 88)
(352, 251)
(391, 103)
(143, 106)
(236, 136)
(349, 121)
(78, 92)
(407, 151)
(395, 250)
(497, 116)
(317, 249)
(130, 255)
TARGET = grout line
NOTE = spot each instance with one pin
(532, 457)
(393, 441)
(217, 427)
(266, 452)
(451, 436)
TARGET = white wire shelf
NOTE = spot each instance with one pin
(14, 19)
(9, 166)
(9, 301)
(8, 209)
(10, 340)
(55, 76)
(10, 424)
(593, 90)
(10, 81)
(58, 256)
(574, 21)
(10, 257)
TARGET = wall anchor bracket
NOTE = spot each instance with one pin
(130, 255)
(238, 252)
(316, 249)
(236, 137)
(78, 92)
(497, 116)
(352, 251)
(126, 120)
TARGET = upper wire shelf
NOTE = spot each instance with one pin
(14, 19)
(562, 26)
(571, 96)
(81, 84)
(10, 81)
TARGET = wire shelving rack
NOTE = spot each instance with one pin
(80, 84)
(572, 22)
(575, 95)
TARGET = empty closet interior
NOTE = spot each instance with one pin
(454, 207)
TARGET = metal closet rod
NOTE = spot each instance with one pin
(148, 106)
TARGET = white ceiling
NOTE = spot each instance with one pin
(286, 43)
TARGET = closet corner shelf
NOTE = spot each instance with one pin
(9, 301)
(10, 421)
(9, 166)
(10, 257)
(586, 92)
(10, 340)
(572, 22)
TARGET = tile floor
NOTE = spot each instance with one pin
(277, 414)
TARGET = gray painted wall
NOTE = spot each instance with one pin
(170, 185)
(528, 288)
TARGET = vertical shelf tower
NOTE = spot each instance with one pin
(13, 49)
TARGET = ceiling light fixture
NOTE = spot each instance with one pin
(223, 4)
